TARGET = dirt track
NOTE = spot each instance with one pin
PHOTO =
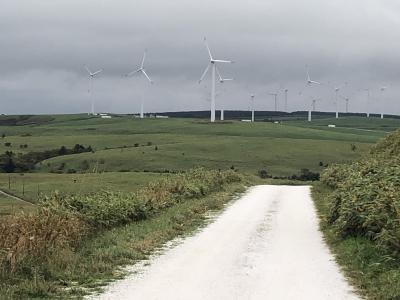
(264, 246)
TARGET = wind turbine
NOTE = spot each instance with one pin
(383, 88)
(312, 108)
(221, 81)
(142, 71)
(309, 82)
(286, 94)
(213, 64)
(337, 90)
(368, 96)
(252, 96)
(275, 100)
(92, 75)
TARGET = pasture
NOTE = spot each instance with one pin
(129, 152)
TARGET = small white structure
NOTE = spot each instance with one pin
(105, 117)
(246, 121)
(161, 117)
(331, 126)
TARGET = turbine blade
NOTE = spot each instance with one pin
(223, 61)
(144, 58)
(97, 72)
(87, 69)
(204, 73)
(219, 75)
(147, 76)
(308, 74)
(208, 48)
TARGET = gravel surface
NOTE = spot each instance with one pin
(266, 245)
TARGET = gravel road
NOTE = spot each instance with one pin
(266, 245)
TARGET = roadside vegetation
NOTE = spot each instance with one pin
(360, 208)
(56, 250)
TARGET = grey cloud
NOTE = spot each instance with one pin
(44, 45)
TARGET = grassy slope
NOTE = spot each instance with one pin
(97, 260)
(30, 185)
(182, 144)
(375, 274)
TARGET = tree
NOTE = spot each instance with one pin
(62, 151)
(9, 165)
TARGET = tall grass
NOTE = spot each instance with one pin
(63, 221)
(365, 200)
(361, 204)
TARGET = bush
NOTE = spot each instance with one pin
(62, 221)
(263, 174)
(365, 197)
(305, 175)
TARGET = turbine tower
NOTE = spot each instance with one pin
(383, 88)
(311, 109)
(286, 94)
(213, 64)
(142, 72)
(337, 90)
(252, 107)
(221, 81)
(92, 75)
(368, 95)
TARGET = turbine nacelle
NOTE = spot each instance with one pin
(141, 69)
(93, 74)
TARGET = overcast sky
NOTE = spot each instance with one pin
(44, 45)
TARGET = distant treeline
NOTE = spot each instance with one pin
(260, 115)
(24, 120)
(10, 162)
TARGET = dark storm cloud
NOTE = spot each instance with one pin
(44, 45)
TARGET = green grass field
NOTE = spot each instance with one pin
(126, 147)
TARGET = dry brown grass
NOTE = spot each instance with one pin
(36, 235)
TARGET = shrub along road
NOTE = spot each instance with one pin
(265, 246)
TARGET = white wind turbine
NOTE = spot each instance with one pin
(213, 64)
(222, 80)
(311, 108)
(383, 88)
(309, 82)
(142, 71)
(347, 99)
(286, 90)
(337, 90)
(275, 100)
(252, 96)
(368, 96)
(91, 78)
